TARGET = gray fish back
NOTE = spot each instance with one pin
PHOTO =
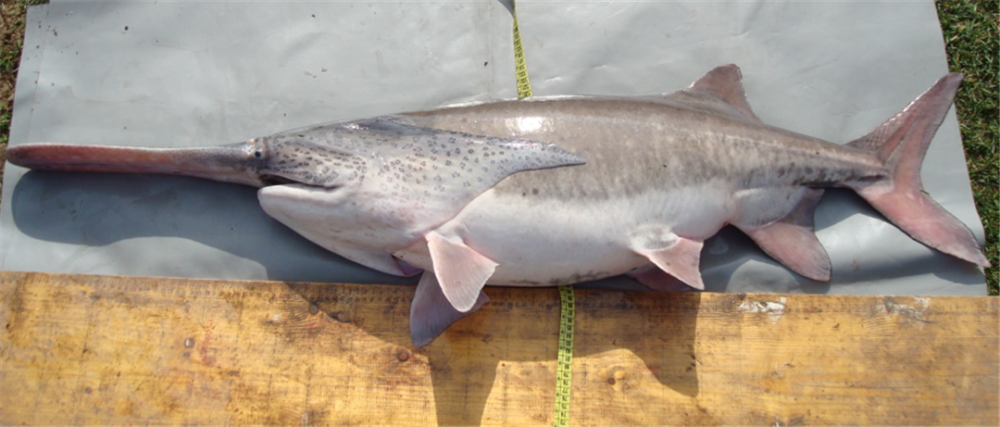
(635, 145)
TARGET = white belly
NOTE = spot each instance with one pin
(545, 242)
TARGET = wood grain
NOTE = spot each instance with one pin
(85, 350)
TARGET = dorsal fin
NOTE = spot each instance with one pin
(719, 90)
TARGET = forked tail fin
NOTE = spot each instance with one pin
(901, 143)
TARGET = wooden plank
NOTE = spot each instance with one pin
(85, 350)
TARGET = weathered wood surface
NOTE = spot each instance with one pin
(82, 350)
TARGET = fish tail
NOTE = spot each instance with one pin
(901, 143)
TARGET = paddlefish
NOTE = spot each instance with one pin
(550, 191)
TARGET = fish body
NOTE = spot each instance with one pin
(552, 191)
(655, 169)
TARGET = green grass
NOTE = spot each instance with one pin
(11, 37)
(12, 16)
(970, 33)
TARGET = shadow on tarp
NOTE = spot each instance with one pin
(95, 209)
(842, 203)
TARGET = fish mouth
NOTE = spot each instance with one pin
(269, 180)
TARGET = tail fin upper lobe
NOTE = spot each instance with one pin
(901, 143)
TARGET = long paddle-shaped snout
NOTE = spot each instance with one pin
(236, 163)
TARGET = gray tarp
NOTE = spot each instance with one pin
(181, 74)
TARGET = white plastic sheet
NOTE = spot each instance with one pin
(182, 74)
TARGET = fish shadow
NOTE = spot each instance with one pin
(856, 257)
(621, 338)
(96, 210)
(99, 209)
(839, 204)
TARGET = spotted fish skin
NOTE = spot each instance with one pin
(394, 182)
(409, 159)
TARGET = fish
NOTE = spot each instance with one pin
(550, 191)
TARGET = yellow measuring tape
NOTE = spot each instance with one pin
(567, 316)
(523, 84)
(564, 370)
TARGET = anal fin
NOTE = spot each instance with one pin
(461, 271)
(792, 242)
(681, 259)
(431, 313)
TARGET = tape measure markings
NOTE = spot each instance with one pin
(564, 368)
(523, 84)
(567, 315)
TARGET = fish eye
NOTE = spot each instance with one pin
(258, 154)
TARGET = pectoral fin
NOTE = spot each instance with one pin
(461, 270)
(680, 257)
(431, 313)
(792, 242)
